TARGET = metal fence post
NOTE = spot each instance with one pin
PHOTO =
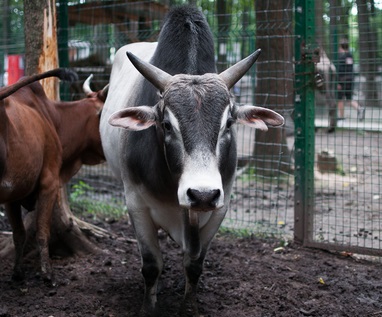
(304, 119)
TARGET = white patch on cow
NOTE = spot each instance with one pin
(173, 120)
(224, 118)
(124, 80)
(223, 125)
(201, 173)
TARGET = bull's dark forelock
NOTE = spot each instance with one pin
(198, 103)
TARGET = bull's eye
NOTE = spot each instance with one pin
(166, 126)
(229, 123)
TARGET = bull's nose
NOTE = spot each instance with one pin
(203, 200)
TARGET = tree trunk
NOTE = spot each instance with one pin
(69, 235)
(41, 41)
(334, 12)
(245, 34)
(328, 75)
(367, 53)
(274, 82)
(223, 28)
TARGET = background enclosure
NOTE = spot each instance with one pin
(322, 188)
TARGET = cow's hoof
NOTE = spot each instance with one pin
(189, 309)
(18, 276)
(148, 312)
(49, 280)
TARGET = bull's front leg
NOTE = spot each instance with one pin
(196, 244)
(152, 263)
(193, 270)
(194, 254)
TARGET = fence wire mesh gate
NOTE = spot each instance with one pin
(318, 178)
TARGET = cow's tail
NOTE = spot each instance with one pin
(62, 73)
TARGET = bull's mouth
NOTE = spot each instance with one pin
(193, 214)
(202, 209)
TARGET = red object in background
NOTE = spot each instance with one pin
(15, 68)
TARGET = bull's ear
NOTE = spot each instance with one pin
(134, 118)
(258, 117)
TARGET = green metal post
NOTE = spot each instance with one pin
(304, 119)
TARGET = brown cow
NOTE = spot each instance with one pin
(43, 143)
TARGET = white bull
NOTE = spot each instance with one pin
(175, 150)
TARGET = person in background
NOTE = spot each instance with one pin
(345, 82)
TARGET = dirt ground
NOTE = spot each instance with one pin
(242, 277)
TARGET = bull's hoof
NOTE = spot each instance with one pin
(189, 308)
(49, 279)
(18, 276)
(148, 312)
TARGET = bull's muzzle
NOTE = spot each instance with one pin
(205, 200)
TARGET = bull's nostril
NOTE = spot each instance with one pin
(192, 195)
(215, 194)
(203, 199)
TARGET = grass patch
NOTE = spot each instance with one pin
(277, 239)
(250, 175)
(81, 203)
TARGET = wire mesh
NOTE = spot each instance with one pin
(262, 199)
(347, 212)
(347, 172)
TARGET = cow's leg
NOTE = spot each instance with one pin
(193, 270)
(48, 196)
(14, 215)
(193, 261)
(152, 262)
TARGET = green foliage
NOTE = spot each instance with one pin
(340, 170)
(81, 203)
(12, 19)
(240, 232)
(250, 175)
(79, 190)
(280, 240)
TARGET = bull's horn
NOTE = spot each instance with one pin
(153, 74)
(232, 75)
(104, 92)
(86, 85)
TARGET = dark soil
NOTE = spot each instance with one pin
(242, 277)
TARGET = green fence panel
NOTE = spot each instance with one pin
(318, 179)
(347, 201)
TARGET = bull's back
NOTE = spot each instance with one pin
(125, 90)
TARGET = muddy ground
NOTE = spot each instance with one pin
(242, 277)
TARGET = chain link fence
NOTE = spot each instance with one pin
(317, 179)
(347, 173)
